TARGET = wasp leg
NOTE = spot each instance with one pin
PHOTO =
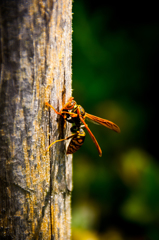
(53, 109)
(69, 119)
(83, 126)
(60, 140)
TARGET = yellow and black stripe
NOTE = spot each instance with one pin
(76, 141)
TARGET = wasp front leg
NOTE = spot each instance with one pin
(68, 106)
(73, 115)
(54, 109)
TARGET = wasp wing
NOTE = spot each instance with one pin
(103, 122)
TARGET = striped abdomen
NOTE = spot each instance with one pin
(76, 142)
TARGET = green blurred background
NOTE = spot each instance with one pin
(115, 72)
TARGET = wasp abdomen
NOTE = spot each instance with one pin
(76, 142)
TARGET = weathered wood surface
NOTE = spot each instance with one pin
(35, 66)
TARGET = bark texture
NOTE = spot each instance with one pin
(35, 67)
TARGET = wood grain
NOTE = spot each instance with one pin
(35, 57)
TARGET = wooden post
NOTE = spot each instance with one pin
(35, 67)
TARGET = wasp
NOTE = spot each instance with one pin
(76, 114)
(78, 137)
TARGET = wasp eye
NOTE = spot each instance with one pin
(73, 102)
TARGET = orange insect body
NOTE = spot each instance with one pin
(78, 115)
